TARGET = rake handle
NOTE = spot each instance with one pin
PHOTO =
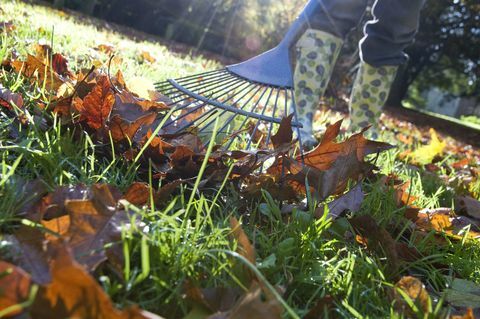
(301, 23)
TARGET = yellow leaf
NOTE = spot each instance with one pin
(425, 154)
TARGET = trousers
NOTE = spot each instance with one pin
(393, 27)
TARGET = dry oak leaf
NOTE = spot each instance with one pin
(330, 166)
(73, 293)
(14, 288)
(95, 108)
(328, 151)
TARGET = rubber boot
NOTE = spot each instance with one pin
(369, 93)
(317, 52)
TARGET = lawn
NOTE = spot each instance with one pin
(99, 228)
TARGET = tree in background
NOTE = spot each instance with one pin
(446, 52)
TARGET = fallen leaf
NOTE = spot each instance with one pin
(425, 154)
(14, 288)
(415, 290)
(245, 248)
(146, 56)
(73, 293)
(468, 205)
(351, 201)
(95, 108)
(463, 293)
(284, 134)
(35, 69)
(106, 48)
(9, 100)
(122, 129)
(377, 240)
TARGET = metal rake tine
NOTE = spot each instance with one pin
(204, 84)
(193, 77)
(253, 108)
(242, 108)
(258, 122)
(230, 98)
(203, 104)
(253, 86)
(168, 123)
(220, 88)
(299, 137)
(205, 89)
(273, 115)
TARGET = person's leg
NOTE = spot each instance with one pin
(317, 52)
(392, 29)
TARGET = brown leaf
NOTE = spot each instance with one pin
(284, 134)
(245, 248)
(137, 194)
(328, 151)
(95, 108)
(468, 205)
(7, 26)
(28, 252)
(378, 240)
(35, 69)
(218, 299)
(253, 306)
(442, 220)
(9, 100)
(106, 48)
(416, 291)
(14, 287)
(322, 309)
(93, 223)
(60, 65)
(468, 315)
(351, 201)
(461, 164)
(122, 129)
(73, 293)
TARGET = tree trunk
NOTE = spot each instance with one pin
(399, 87)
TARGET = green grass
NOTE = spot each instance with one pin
(189, 238)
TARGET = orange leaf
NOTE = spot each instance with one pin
(14, 287)
(245, 247)
(33, 68)
(95, 108)
(73, 293)
(122, 129)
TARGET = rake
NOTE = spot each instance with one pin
(257, 92)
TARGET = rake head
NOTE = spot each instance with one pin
(256, 93)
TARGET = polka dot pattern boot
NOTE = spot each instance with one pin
(369, 93)
(317, 52)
